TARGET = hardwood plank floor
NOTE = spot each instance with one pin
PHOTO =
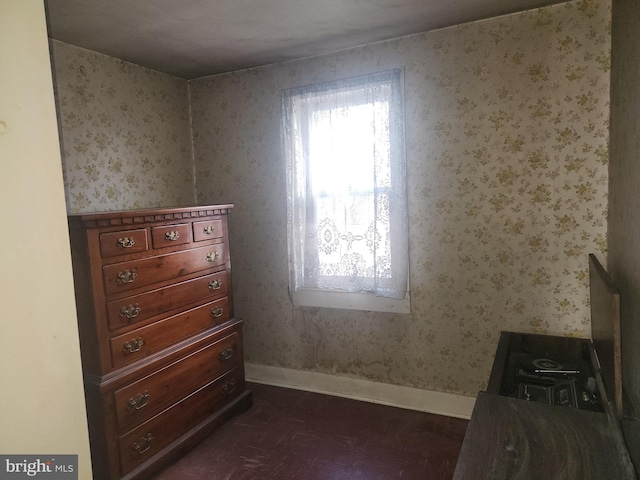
(291, 434)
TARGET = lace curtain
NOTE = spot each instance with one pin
(346, 186)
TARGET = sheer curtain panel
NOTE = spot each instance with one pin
(346, 186)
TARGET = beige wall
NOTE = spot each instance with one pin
(42, 404)
(506, 135)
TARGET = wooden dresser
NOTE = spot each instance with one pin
(513, 437)
(161, 349)
(553, 404)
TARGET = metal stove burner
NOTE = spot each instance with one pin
(554, 380)
(546, 364)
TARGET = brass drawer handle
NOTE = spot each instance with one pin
(130, 312)
(217, 312)
(139, 401)
(212, 256)
(208, 230)
(126, 242)
(133, 346)
(226, 354)
(127, 276)
(229, 387)
(215, 284)
(172, 236)
(143, 444)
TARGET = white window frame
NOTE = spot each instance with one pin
(363, 301)
(366, 301)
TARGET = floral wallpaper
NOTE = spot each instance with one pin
(507, 139)
(125, 133)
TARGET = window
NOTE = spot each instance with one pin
(346, 193)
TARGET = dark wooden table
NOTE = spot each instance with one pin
(512, 439)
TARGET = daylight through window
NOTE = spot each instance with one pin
(346, 187)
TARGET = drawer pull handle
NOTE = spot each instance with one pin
(127, 276)
(126, 242)
(139, 401)
(229, 387)
(172, 236)
(226, 354)
(215, 284)
(208, 230)
(143, 444)
(130, 312)
(212, 256)
(217, 312)
(133, 346)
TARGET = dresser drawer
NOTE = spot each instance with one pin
(137, 344)
(170, 235)
(145, 398)
(123, 242)
(129, 310)
(121, 277)
(207, 230)
(162, 354)
(149, 438)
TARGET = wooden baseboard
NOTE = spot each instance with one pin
(438, 403)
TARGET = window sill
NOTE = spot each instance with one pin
(350, 301)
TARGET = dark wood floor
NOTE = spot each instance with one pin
(290, 434)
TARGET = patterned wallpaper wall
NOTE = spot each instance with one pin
(125, 133)
(506, 133)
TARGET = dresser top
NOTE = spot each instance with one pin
(133, 217)
(509, 438)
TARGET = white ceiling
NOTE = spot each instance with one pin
(195, 38)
